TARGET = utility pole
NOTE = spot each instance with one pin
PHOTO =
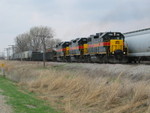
(13, 50)
(2, 55)
(43, 37)
(7, 52)
(44, 50)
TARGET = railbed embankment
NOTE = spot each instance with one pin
(86, 88)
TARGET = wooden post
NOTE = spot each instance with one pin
(3, 72)
(3, 69)
(44, 52)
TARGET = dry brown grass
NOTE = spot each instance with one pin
(74, 92)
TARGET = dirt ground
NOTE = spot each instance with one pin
(4, 108)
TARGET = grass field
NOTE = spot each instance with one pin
(72, 91)
(22, 101)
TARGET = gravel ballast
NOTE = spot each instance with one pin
(131, 71)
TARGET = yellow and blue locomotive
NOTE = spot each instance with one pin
(107, 47)
(102, 47)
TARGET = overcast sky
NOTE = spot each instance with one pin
(71, 18)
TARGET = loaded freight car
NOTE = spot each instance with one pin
(26, 55)
(37, 56)
(138, 43)
(50, 56)
(33, 56)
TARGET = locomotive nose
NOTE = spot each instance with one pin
(118, 54)
(116, 45)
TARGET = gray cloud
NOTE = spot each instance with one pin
(71, 18)
(129, 11)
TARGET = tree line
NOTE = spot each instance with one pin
(33, 40)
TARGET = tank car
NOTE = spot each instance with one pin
(138, 43)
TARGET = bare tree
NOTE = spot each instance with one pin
(43, 34)
(35, 41)
(50, 44)
(22, 42)
(38, 35)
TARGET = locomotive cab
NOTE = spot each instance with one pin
(117, 47)
(62, 50)
(65, 47)
(83, 46)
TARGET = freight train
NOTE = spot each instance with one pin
(103, 47)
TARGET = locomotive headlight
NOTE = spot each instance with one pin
(112, 52)
(124, 52)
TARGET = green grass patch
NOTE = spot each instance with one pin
(23, 102)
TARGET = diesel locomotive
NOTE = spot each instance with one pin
(104, 47)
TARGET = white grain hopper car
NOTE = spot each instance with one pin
(138, 43)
